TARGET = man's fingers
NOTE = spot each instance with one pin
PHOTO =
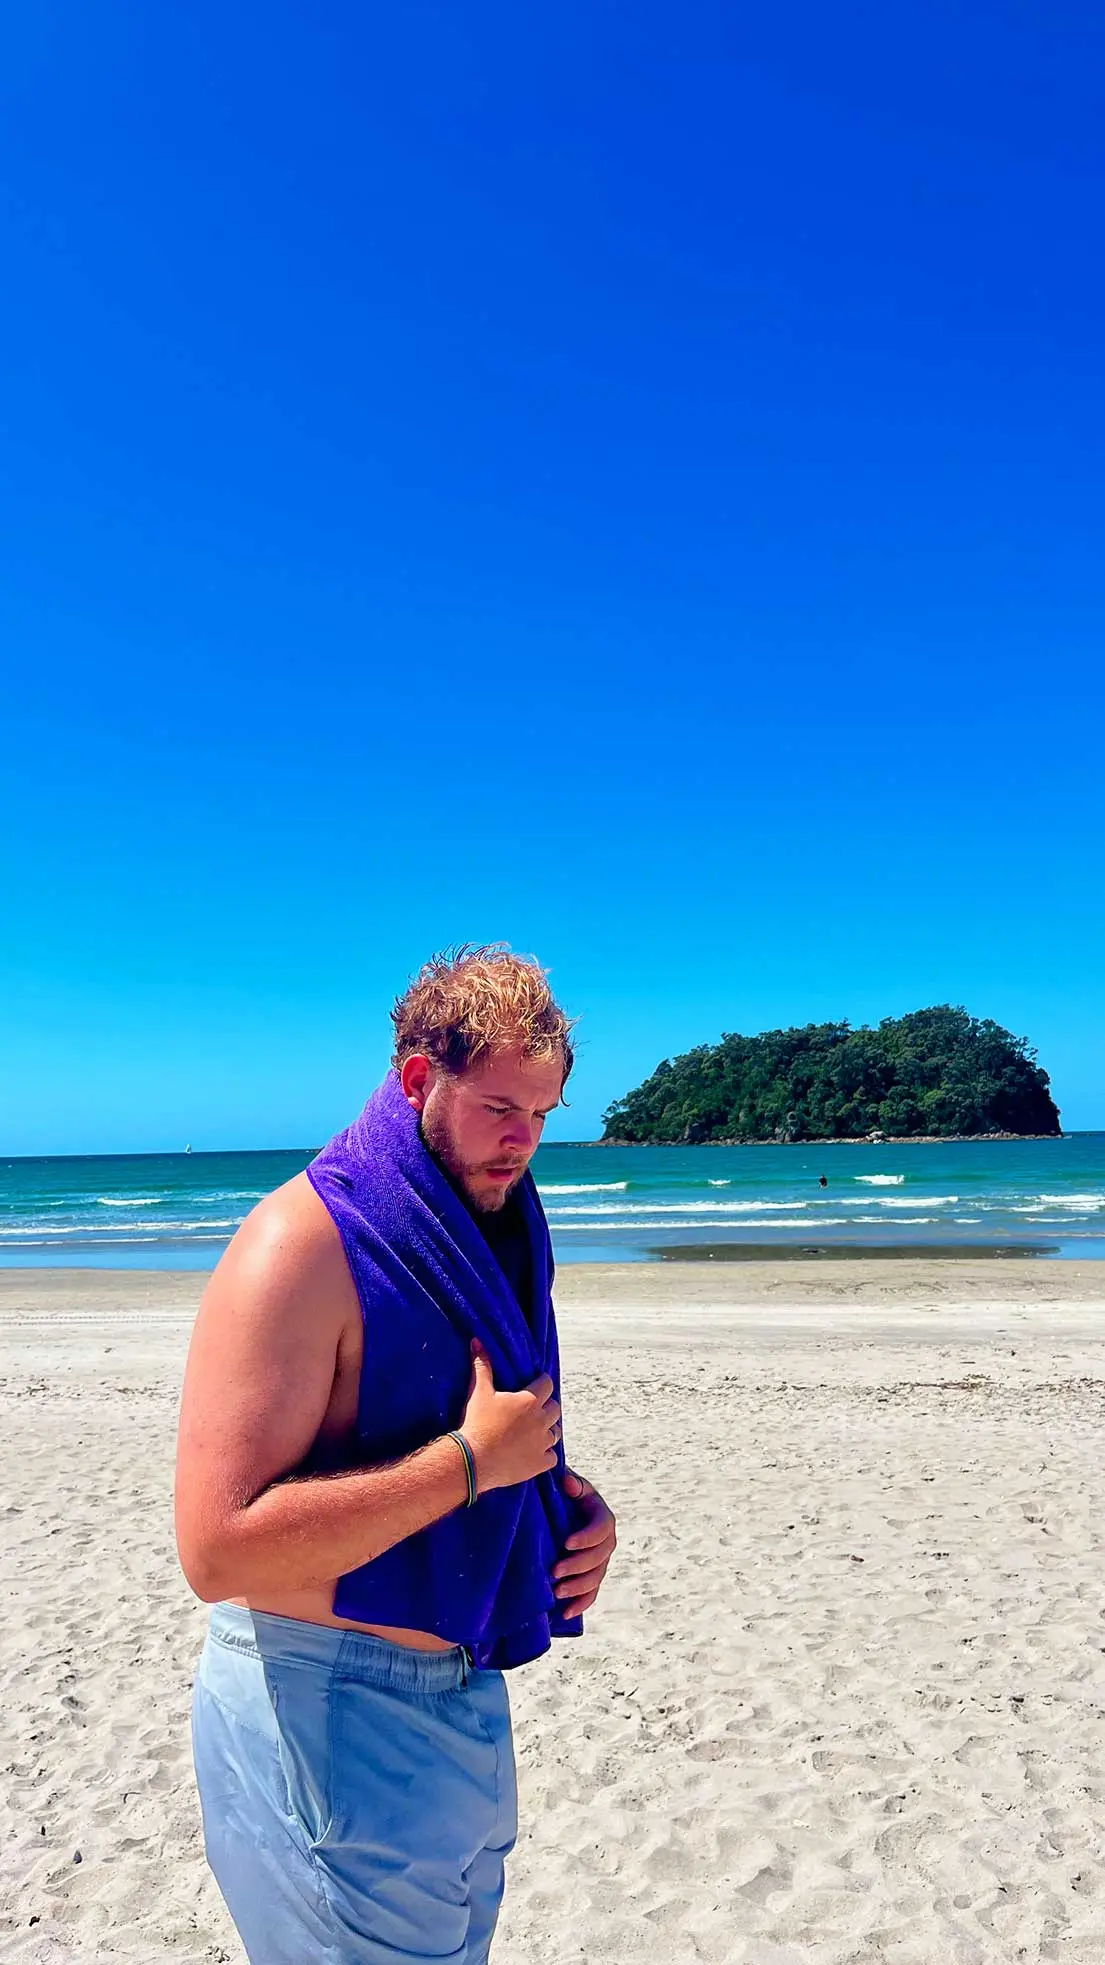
(582, 1561)
(542, 1388)
(481, 1365)
(579, 1584)
(577, 1577)
(578, 1605)
(594, 1533)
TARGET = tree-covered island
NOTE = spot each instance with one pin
(936, 1074)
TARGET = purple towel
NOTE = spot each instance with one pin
(428, 1284)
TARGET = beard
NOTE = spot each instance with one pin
(437, 1138)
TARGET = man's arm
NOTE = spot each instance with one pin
(261, 1369)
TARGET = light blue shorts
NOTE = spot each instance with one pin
(358, 1797)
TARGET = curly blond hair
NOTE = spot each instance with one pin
(470, 1001)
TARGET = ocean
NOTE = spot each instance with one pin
(608, 1204)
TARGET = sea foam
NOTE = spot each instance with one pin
(147, 1230)
(1091, 1201)
(918, 1201)
(681, 1208)
(586, 1187)
(720, 1221)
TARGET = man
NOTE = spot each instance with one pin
(371, 1489)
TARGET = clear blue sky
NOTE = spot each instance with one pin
(627, 481)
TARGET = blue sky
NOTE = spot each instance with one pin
(626, 482)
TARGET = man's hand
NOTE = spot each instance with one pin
(512, 1435)
(577, 1577)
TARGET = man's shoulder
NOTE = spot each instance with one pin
(288, 1246)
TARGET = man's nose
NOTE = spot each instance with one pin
(518, 1134)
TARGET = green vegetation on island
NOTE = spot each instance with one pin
(936, 1073)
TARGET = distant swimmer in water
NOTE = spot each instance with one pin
(822, 1182)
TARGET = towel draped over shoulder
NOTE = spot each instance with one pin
(428, 1284)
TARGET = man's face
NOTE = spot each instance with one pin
(485, 1125)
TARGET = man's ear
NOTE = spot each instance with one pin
(416, 1075)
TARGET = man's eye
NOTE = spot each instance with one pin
(497, 1111)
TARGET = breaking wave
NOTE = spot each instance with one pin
(587, 1187)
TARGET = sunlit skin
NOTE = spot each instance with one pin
(485, 1126)
(273, 1375)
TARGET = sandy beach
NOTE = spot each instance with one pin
(842, 1702)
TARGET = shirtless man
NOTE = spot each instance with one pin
(356, 1773)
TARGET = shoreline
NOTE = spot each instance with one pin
(1056, 1252)
(583, 1282)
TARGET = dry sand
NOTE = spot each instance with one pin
(843, 1700)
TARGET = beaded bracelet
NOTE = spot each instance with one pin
(469, 1466)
